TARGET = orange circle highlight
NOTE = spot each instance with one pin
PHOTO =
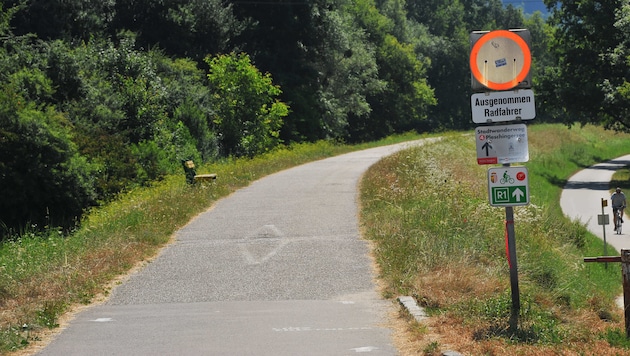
(519, 77)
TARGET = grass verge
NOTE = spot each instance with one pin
(438, 239)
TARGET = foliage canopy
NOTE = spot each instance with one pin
(127, 89)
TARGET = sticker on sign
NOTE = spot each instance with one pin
(508, 186)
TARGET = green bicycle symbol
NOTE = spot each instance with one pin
(506, 178)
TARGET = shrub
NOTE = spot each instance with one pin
(43, 179)
(248, 115)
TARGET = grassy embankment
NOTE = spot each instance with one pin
(438, 239)
(43, 275)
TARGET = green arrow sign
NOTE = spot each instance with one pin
(508, 186)
(516, 195)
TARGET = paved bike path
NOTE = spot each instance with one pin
(277, 268)
(581, 200)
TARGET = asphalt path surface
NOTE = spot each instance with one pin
(277, 268)
(581, 200)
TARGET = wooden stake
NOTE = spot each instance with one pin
(625, 272)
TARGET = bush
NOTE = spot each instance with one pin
(248, 115)
(43, 179)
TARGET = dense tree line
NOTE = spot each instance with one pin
(590, 47)
(97, 96)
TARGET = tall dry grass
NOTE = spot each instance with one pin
(437, 239)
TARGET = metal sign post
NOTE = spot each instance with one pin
(499, 188)
(604, 220)
(500, 67)
(511, 247)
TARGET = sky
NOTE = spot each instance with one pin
(529, 6)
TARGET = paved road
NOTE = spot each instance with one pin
(277, 268)
(581, 200)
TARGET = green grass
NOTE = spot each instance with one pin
(43, 274)
(621, 179)
(437, 238)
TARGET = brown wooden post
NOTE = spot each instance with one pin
(625, 268)
(625, 272)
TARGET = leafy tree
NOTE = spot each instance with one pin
(408, 96)
(439, 16)
(449, 24)
(442, 36)
(280, 39)
(138, 96)
(191, 29)
(617, 90)
(396, 13)
(403, 104)
(544, 69)
(43, 179)
(248, 116)
(490, 15)
(184, 28)
(64, 70)
(62, 19)
(541, 45)
(590, 78)
(189, 100)
(126, 109)
(196, 121)
(348, 74)
(322, 59)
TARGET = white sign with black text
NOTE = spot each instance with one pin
(502, 144)
(501, 106)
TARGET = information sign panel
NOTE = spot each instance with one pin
(502, 106)
(501, 144)
(508, 186)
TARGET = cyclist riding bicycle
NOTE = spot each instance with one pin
(618, 202)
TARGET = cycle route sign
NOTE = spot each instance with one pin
(508, 186)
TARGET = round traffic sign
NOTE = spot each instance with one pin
(500, 60)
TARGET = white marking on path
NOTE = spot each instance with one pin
(265, 243)
(103, 320)
(308, 328)
(364, 349)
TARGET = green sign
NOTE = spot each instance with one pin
(508, 186)
(516, 195)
